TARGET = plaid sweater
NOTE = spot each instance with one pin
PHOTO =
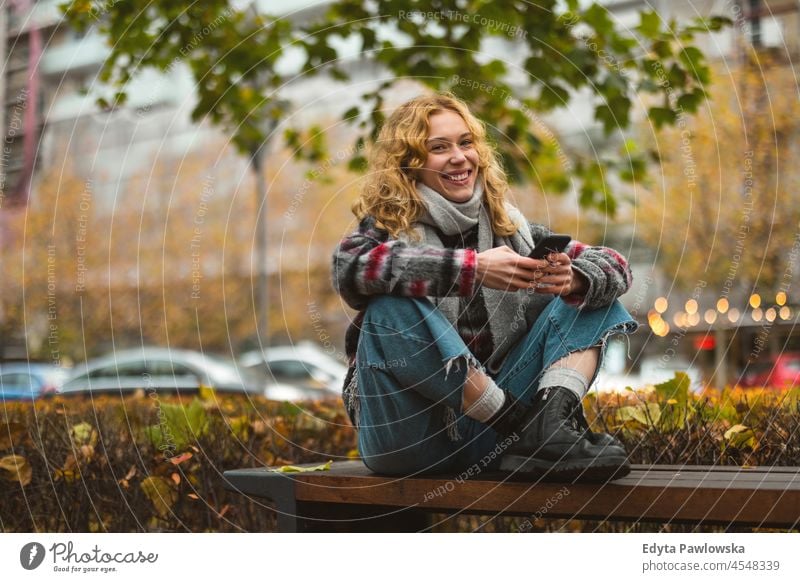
(370, 262)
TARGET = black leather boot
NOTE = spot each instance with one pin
(510, 417)
(555, 443)
(600, 438)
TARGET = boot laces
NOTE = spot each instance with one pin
(578, 421)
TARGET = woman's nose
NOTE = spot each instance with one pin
(457, 157)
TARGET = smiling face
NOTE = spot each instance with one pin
(451, 167)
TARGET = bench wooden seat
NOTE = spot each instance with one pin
(351, 498)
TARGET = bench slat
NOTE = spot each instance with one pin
(757, 496)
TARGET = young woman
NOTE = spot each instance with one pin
(466, 354)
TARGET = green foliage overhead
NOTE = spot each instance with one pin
(443, 44)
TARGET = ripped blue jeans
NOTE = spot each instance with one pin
(412, 366)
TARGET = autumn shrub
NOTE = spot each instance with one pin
(671, 425)
(152, 462)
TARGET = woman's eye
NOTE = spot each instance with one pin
(437, 148)
(466, 143)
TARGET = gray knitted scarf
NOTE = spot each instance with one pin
(506, 309)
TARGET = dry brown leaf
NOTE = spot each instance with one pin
(16, 468)
(180, 458)
(70, 463)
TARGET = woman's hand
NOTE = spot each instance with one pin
(502, 268)
(557, 277)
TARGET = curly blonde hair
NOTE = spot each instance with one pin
(390, 194)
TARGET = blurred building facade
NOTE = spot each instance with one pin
(48, 88)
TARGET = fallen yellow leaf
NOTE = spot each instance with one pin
(296, 469)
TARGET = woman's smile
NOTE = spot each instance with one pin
(451, 167)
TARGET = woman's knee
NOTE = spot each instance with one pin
(387, 308)
(569, 319)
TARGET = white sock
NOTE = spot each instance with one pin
(566, 377)
(490, 402)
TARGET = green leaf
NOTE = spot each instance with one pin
(240, 427)
(646, 414)
(677, 388)
(608, 203)
(740, 436)
(715, 23)
(791, 399)
(553, 96)
(605, 115)
(673, 395)
(351, 113)
(357, 164)
(338, 74)
(635, 169)
(195, 417)
(676, 77)
(178, 426)
(597, 17)
(161, 493)
(649, 24)
(691, 101)
(539, 68)
(662, 116)
(367, 39)
(614, 114)
(81, 433)
(630, 147)
(662, 48)
(692, 57)
(495, 68)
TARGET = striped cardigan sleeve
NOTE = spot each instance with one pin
(370, 262)
(606, 270)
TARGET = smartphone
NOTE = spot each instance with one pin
(555, 243)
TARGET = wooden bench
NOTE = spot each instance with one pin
(351, 498)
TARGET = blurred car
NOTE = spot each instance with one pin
(652, 371)
(23, 380)
(657, 370)
(305, 366)
(294, 393)
(777, 371)
(160, 369)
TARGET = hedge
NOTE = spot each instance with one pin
(152, 462)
